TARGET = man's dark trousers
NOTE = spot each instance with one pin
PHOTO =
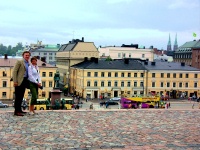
(19, 95)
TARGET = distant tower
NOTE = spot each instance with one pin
(169, 46)
(175, 44)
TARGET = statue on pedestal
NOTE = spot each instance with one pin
(56, 79)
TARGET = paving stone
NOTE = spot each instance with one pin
(90, 130)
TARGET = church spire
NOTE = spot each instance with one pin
(169, 46)
(175, 43)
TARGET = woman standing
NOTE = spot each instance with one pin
(35, 82)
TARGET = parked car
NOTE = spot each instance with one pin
(2, 105)
(110, 102)
(115, 99)
(24, 104)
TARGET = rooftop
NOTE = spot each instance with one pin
(11, 61)
(132, 64)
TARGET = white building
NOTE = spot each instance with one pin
(126, 52)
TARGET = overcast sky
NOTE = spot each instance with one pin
(104, 22)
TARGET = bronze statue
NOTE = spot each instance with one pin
(56, 79)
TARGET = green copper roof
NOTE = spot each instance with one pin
(52, 46)
(191, 44)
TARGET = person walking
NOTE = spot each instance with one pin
(193, 106)
(35, 83)
(20, 79)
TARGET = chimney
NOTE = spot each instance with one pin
(85, 58)
(153, 63)
(43, 59)
(96, 60)
(182, 63)
(5, 56)
(92, 59)
(126, 61)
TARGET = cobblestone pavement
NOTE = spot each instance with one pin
(104, 129)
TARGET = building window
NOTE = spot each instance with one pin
(4, 83)
(143, 55)
(109, 84)
(180, 84)
(186, 84)
(186, 75)
(124, 55)
(43, 94)
(3, 94)
(180, 75)
(153, 84)
(102, 74)
(135, 74)
(50, 54)
(135, 92)
(45, 53)
(168, 75)
(88, 74)
(122, 74)
(128, 84)
(174, 75)
(142, 75)
(162, 75)
(4, 74)
(50, 58)
(115, 84)
(95, 74)
(168, 84)
(95, 83)
(122, 84)
(129, 74)
(174, 84)
(116, 74)
(43, 74)
(50, 84)
(161, 84)
(195, 84)
(88, 83)
(141, 84)
(50, 74)
(153, 75)
(43, 83)
(135, 84)
(102, 83)
(195, 75)
(109, 74)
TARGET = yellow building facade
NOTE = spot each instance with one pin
(73, 53)
(6, 86)
(135, 78)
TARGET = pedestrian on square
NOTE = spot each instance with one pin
(169, 105)
(35, 83)
(193, 106)
(20, 79)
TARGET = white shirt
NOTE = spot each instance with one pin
(34, 74)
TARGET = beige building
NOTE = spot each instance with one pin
(126, 52)
(133, 77)
(73, 53)
(6, 86)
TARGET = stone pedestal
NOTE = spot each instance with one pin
(55, 94)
